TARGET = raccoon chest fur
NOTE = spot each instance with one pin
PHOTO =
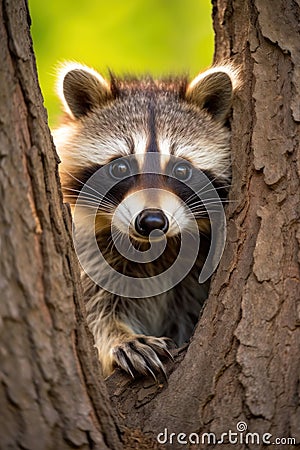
(172, 314)
(132, 150)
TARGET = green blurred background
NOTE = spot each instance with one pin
(156, 36)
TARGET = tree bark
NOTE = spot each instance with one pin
(243, 361)
(51, 395)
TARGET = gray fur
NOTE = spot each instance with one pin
(108, 120)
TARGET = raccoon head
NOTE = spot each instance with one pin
(128, 125)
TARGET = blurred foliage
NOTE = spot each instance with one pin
(156, 36)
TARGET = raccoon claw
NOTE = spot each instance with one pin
(140, 355)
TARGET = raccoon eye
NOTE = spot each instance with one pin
(182, 171)
(119, 169)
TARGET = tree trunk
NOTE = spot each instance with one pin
(51, 393)
(242, 364)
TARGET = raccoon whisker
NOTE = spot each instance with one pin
(208, 202)
(98, 197)
(198, 197)
(111, 199)
(94, 212)
(201, 215)
(128, 245)
(118, 235)
(80, 200)
(194, 208)
(204, 215)
(100, 203)
(86, 205)
(93, 216)
(195, 213)
(224, 186)
(106, 209)
(106, 206)
(110, 246)
(194, 198)
(210, 183)
(205, 210)
(105, 214)
(196, 193)
(83, 201)
(219, 200)
(122, 215)
(197, 207)
(87, 194)
(81, 196)
(77, 179)
(196, 204)
(201, 210)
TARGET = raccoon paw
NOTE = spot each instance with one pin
(141, 355)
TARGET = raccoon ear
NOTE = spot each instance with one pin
(81, 89)
(212, 91)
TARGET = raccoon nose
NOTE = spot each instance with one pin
(149, 220)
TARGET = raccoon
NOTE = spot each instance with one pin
(115, 128)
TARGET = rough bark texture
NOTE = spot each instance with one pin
(243, 361)
(51, 394)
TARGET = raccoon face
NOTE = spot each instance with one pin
(151, 137)
(150, 194)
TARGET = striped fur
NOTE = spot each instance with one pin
(106, 120)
